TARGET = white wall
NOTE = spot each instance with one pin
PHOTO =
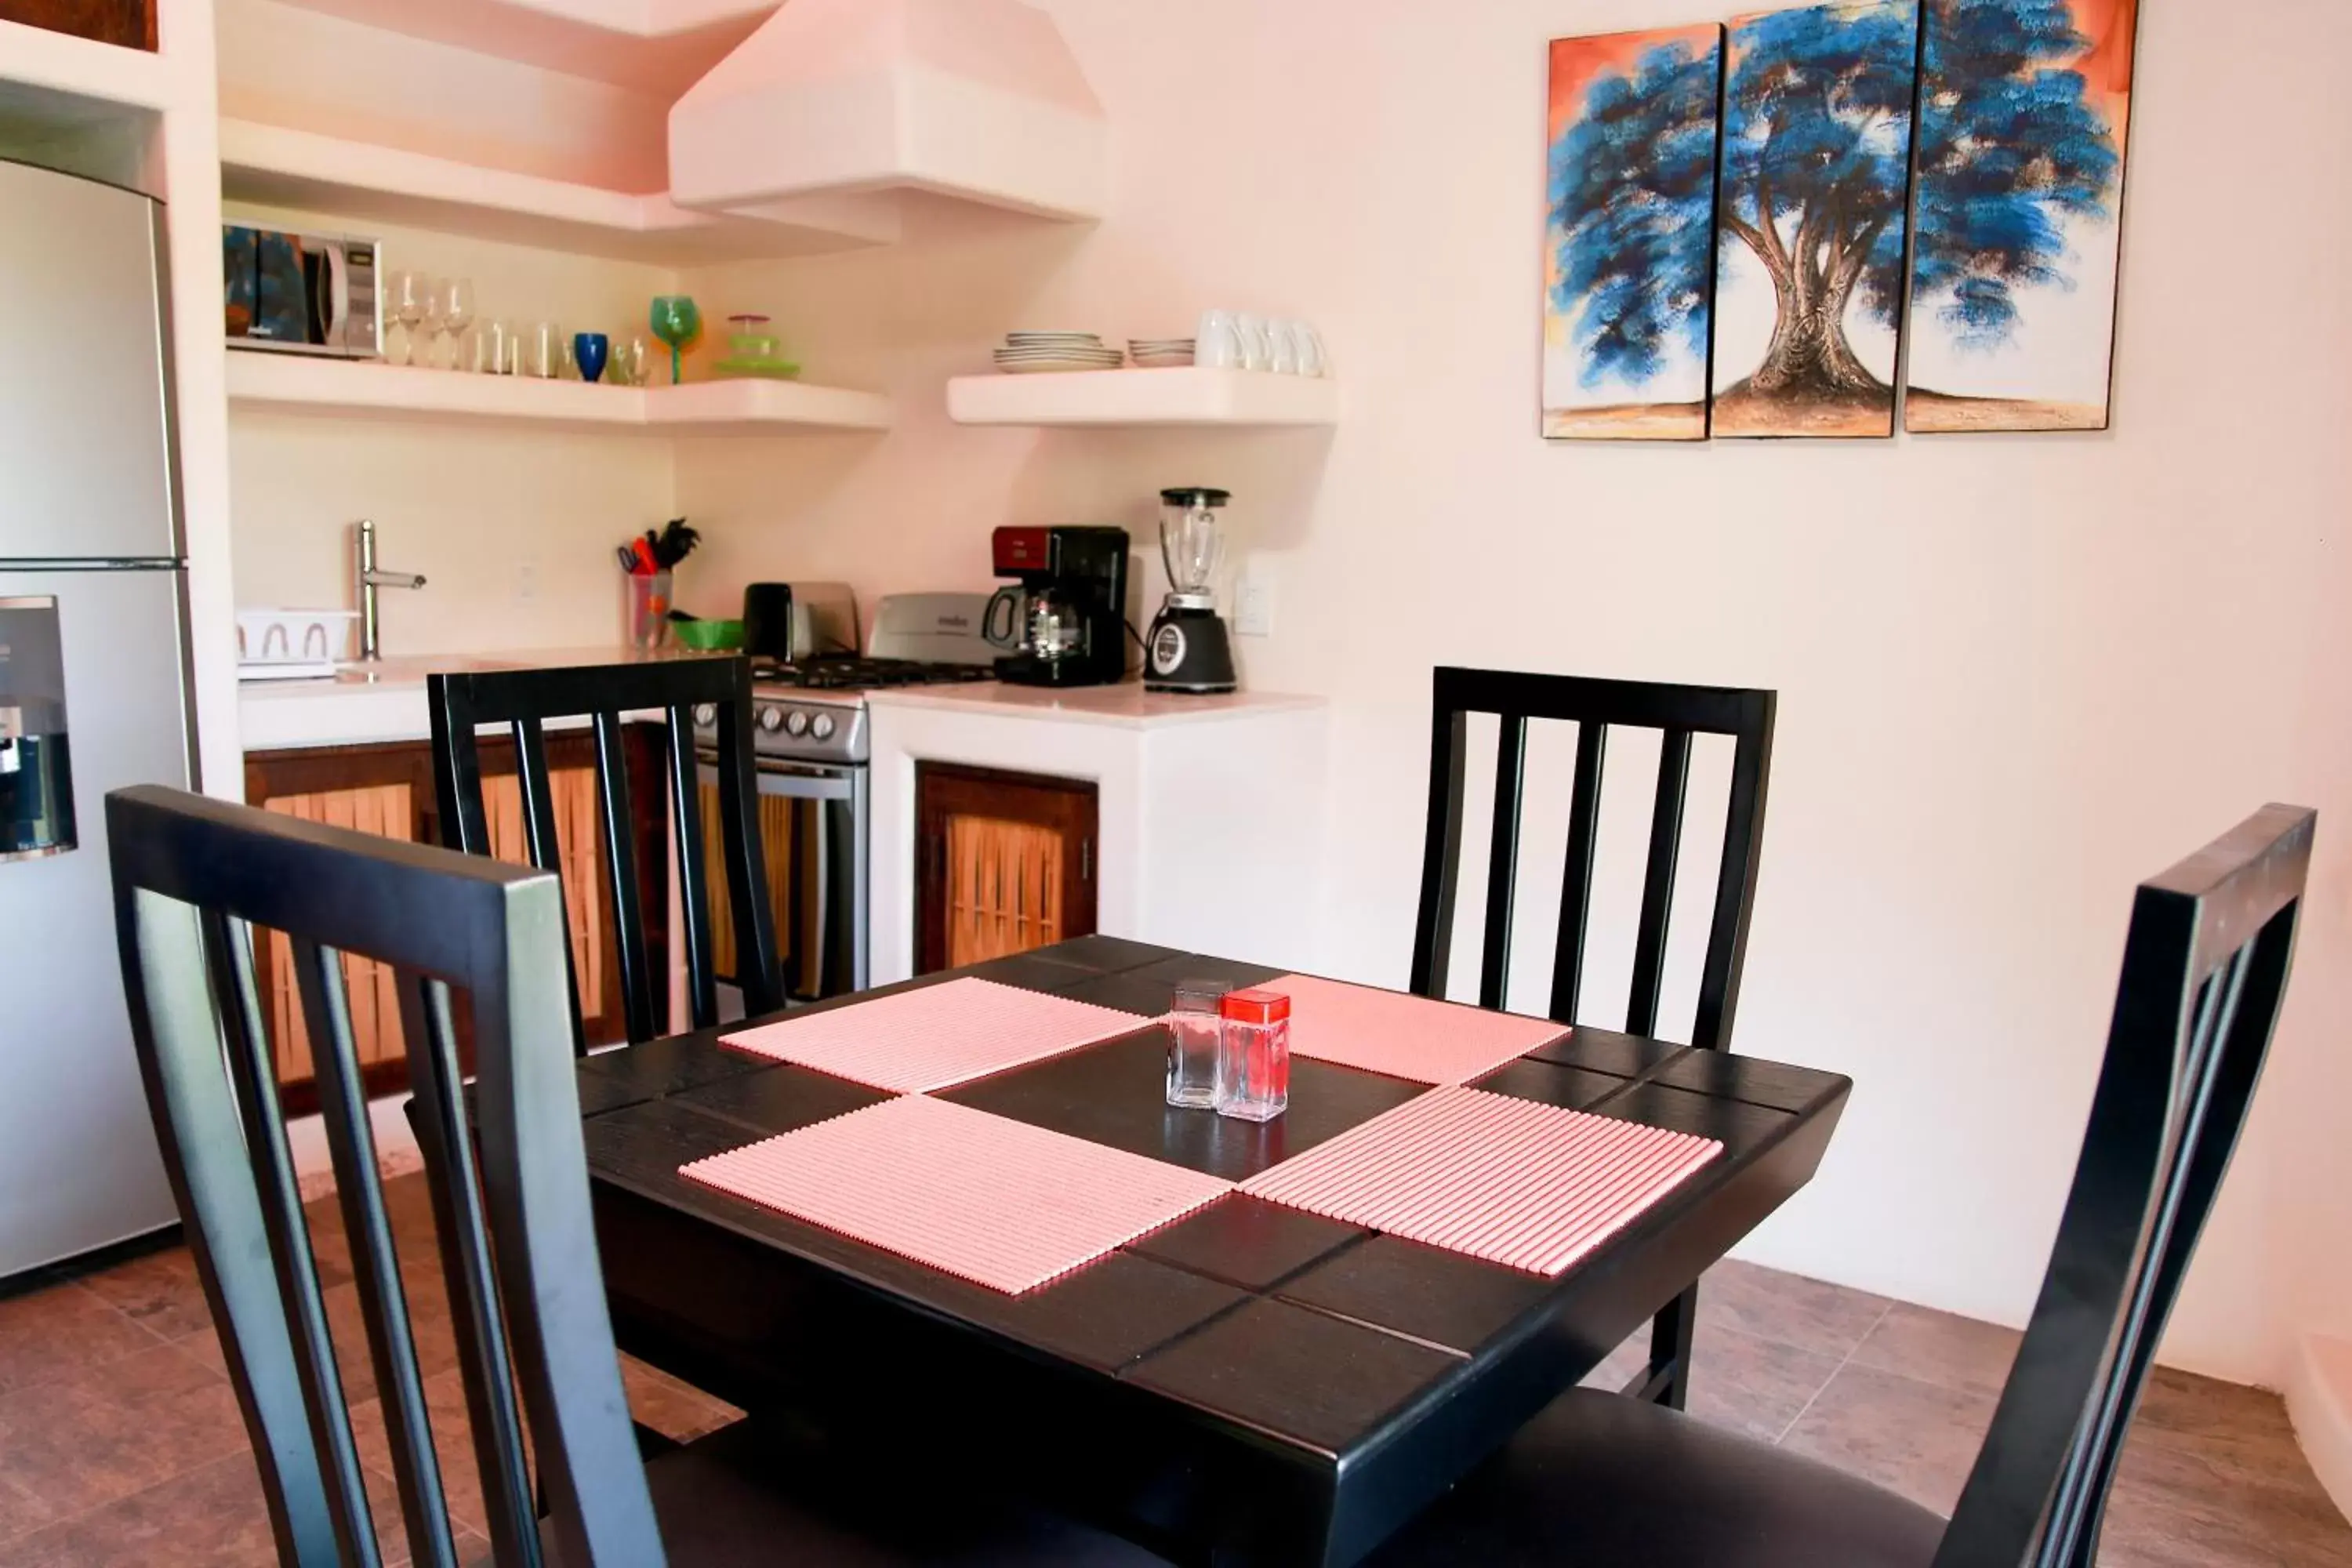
(2017, 673)
(513, 527)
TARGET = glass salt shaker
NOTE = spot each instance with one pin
(1193, 1031)
(1253, 1054)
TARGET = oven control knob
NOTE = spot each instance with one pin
(772, 719)
(822, 726)
(706, 714)
(796, 724)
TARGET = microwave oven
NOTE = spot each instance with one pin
(303, 293)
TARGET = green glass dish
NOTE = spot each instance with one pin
(707, 637)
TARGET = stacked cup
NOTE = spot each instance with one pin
(1237, 339)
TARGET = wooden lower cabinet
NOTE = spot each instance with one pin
(128, 23)
(1005, 862)
(389, 790)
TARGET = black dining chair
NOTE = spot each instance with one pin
(525, 701)
(1603, 1480)
(464, 934)
(1596, 706)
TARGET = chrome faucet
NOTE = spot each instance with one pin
(367, 580)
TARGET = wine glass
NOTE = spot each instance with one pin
(409, 291)
(675, 321)
(430, 320)
(456, 299)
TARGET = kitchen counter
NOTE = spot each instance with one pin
(385, 702)
(1125, 706)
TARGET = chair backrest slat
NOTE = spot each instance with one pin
(492, 1418)
(1503, 859)
(525, 699)
(191, 877)
(693, 879)
(1658, 881)
(619, 821)
(2204, 973)
(1595, 708)
(245, 1050)
(376, 1264)
(1576, 875)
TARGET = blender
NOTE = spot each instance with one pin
(1189, 648)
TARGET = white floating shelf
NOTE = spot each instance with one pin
(365, 389)
(281, 168)
(56, 79)
(1114, 397)
(651, 45)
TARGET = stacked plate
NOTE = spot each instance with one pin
(1160, 353)
(1030, 354)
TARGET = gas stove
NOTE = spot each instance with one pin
(814, 711)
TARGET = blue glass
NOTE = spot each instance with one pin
(591, 348)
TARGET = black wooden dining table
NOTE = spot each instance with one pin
(1253, 1384)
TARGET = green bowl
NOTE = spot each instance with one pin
(707, 637)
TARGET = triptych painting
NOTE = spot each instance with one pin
(1749, 224)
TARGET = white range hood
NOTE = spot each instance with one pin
(842, 103)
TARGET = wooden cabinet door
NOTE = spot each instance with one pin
(1005, 862)
(389, 790)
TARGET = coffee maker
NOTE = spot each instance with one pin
(1188, 649)
(1066, 623)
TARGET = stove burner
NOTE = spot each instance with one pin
(847, 672)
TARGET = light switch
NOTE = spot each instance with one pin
(1254, 604)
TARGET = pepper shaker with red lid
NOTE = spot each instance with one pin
(1253, 1054)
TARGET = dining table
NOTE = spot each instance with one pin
(1252, 1383)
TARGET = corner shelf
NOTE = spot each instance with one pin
(362, 389)
(658, 46)
(57, 78)
(1185, 397)
(279, 166)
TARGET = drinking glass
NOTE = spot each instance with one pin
(591, 348)
(675, 319)
(631, 359)
(457, 300)
(431, 324)
(544, 351)
(409, 294)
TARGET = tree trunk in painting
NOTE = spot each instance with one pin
(1810, 356)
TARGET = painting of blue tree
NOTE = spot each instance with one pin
(1817, 124)
(1630, 220)
(2021, 127)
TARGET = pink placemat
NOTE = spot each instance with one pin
(936, 1037)
(1527, 1185)
(987, 1199)
(1404, 1037)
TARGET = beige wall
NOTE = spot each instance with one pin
(2017, 674)
(513, 526)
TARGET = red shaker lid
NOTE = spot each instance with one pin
(1254, 1006)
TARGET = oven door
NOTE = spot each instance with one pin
(812, 830)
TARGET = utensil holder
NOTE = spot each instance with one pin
(648, 603)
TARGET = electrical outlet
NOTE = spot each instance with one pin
(526, 579)
(1254, 605)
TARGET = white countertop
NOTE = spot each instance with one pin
(386, 702)
(1125, 706)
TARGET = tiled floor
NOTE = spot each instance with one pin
(121, 1441)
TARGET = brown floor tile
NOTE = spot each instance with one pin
(107, 1432)
(62, 1330)
(212, 1516)
(1917, 1438)
(160, 1292)
(1940, 1348)
(1810, 1314)
(1751, 1385)
(461, 1478)
(2174, 1506)
(1626, 1361)
(677, 1410)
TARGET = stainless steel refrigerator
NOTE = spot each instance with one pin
(94, 695)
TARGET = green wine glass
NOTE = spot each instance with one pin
(675, 321)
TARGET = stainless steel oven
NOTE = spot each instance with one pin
(813, 829)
